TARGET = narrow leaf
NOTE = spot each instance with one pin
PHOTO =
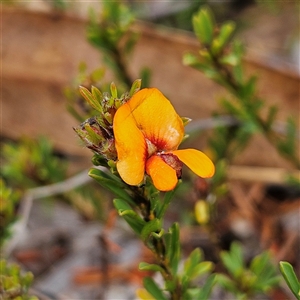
(290, 277)
(86, 94)
(150, 227)
(135, 87)
(206, 288)
(143, 266)
(130, 216)
(174, 247)
(203, 23)
(111, 183)
(153, 289)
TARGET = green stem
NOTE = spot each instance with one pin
(158, 246)
(122, 72)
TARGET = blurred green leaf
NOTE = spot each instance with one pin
(153, 289)
(227, 283)
(224, 36)
(233, 259)
(203, 23)
(206, 289)
(143, 266)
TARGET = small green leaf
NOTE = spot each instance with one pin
(143, 266)
(192, 60)
(201, 269)
(224, 36)
(153, 226)
(97, 95)
(111, 183)
(153, 289)
(203, 23)
(233, 260)
(259, 263)
(86, 94)
(113, 90)
(130, 216)
(206, 288)
(290, 277)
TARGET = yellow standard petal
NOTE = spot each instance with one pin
(130, 145)
(157, 119)
(163, 176)
(197, 161)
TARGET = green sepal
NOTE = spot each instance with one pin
(143, 266)
(113, 90)
(87, 95)
(153, 289)
(111, 183)
(153, 226)
(93, 136)
(99, 160)
(203, 23)
(290, 277)
(98, 97)
(130, 216)
(186, 120)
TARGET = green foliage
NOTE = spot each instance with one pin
(9, 199)
(153, 289)
(220, 59)
(110, 33)
(290, 278)
(78, 107)
(246, 282)
(14, 284)
(31, 163)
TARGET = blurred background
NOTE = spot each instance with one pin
(61, 226)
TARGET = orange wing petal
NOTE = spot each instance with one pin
(131, 146)
(197, 161)
(163, 176)
(157, 119)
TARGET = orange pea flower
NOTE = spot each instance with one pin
(147, 133)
